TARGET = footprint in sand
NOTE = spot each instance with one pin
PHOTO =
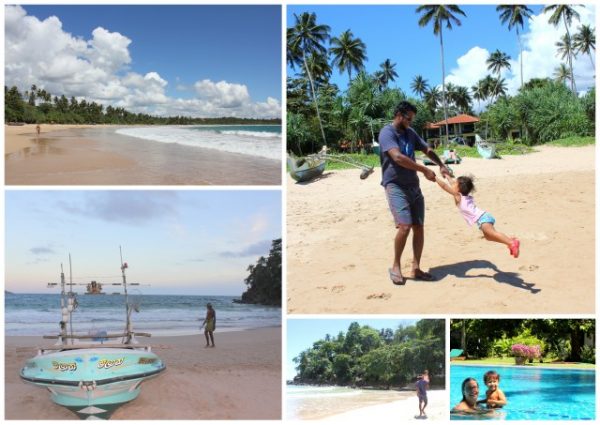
(530, 268)
(322, 287)
(349, 267)
(382, 296)
(338, 288)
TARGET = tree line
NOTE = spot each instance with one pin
(264, 279)
(319, 112)
(39, 106)
(364, 356)
(562, 339)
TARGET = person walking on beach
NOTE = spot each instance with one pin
(460, 190)
(398, 142)
(422, 387)
(210, 322)
(38, 129)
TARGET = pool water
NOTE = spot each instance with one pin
(533, 393)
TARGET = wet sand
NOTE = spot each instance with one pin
(96, 155)
(340, 241)
(239, 379)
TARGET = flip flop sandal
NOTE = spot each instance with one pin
(514, 248)
(424, 276)
(396, 278)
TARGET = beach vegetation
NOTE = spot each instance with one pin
(367, 357)
(264, 279)
(39, 106)
(547, 340)
(350, 118)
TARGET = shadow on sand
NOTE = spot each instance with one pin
(460, 270)
(316, 179)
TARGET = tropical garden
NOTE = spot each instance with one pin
(37, 105)
(543, 110)
(529, 341)
(367, 357)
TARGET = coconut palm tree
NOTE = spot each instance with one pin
(349, 53)
(478, 93)
(566, 13)
(562, 73)
(462, 99)
(515, 15)
(565, 47)
(304, 38)
(496, 62)
(432, 98)
(585, 41)
(388, 73)
(440, 15)
(419, 85)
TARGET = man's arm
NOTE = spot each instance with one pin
(406, 162)
(436, 159)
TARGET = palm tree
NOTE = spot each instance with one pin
(388, 73)
(515, 15)
(419, 85)
(432, 98)
(304, 38)
(462, 99)
(348, 53)
(439, 15)
(585, 41)
(562, 73)
(496, 62)
(566, 13)
(478, 93)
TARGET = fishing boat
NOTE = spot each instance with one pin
(92, 374)
(312, 166)
(485, 149)
(448, 157)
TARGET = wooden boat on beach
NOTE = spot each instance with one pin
(92, 374)
(485, 149)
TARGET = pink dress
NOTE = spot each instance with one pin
(469, 210)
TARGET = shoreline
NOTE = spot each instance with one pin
(340, 241)
(98, 155)
(239, 379)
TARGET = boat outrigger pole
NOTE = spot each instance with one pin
(129, 331)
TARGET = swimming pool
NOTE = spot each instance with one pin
(533, 392)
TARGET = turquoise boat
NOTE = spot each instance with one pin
(306, 169)
(92, 374)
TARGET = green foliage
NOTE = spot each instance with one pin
(588, 355)
(62, 111)
(574, 141)
(364, 356)
(264, 280)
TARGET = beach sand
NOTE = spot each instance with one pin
(400, 411)
(239, 379)
(340, 241)
(96, 155)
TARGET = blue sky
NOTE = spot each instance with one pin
(393, 32)
(302, 333)
(239, 45)
(179, 242)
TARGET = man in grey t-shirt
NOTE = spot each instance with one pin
(398, 142)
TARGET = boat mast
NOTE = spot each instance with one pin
(129, 331)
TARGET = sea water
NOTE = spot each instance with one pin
(254, 140)
(39, 314)
(533, 393)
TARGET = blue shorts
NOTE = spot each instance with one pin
(485, 218)
(407, 205)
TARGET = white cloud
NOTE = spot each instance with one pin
(42, 53)
(539, 55)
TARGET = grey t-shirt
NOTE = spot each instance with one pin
(406, 141)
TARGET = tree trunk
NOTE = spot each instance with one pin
(444, 85)
(576, 344)
(312, 88)
(570, 56)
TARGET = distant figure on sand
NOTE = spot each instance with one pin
(209, 324)
(422, 387)
(398, 142)
(38, 129)
(460, 190)
(494, 396)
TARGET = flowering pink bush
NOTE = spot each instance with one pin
(529, 352)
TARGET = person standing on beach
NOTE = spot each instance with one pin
(422, 386)
(398, 142)
(38, 129)
(210, 322)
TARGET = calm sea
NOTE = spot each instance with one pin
(255, 140)
(39, 314)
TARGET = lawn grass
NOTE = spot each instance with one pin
(574, 141)
(510, 361)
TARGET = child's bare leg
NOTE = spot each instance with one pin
(491, 234)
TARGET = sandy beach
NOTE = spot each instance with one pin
(405, 410)
(96, 155)
(340, 241)
(239, 379)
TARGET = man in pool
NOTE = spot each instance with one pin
(494, 397)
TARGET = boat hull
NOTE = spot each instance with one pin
(92, 382)
(309, 170)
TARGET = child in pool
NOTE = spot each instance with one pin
(494, 397)
(460, 189)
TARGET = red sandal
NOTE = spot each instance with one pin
(514, 248)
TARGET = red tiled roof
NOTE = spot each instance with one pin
(459, 119)
(431, 126)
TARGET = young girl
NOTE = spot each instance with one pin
(460, 189)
